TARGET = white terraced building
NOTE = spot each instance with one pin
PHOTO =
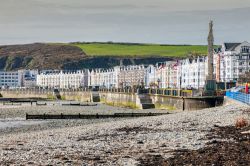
(172, 74)
(150, 77)
(104, 78)
(161, 75)
(118, 77)
(164, 75)
(232, 61)
(192, 72)
(61, 79)
(130, 76)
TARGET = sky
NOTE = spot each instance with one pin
(137, 21)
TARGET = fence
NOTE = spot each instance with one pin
(166, 92)
(242, 97)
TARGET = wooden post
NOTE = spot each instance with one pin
(183, 104)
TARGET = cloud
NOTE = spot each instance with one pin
(159, 21)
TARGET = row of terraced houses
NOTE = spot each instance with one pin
(230, 61)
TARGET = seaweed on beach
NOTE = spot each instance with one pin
(228, 146)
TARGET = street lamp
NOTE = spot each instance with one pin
(158, 80)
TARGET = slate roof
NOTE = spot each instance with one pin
(231, 46)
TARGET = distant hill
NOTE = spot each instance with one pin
(89, 55)
(38, 56)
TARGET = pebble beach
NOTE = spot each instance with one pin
(109, 141)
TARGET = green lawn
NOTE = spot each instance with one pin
(141, 50)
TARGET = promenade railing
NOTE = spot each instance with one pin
(239, 96)
(165, 92)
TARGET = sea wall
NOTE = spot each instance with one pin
(26, 94)
(83, 96)
(167, 102)
(185, 103)
(120, 99)
(132, 100)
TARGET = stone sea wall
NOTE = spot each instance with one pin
(131, 100)
(82, 96)
(120, 99)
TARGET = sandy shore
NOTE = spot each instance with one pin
(121, 142)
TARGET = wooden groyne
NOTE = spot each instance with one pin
(19, 100)
(11, 103)
(78, 104)
(91, 116)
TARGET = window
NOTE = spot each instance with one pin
(240, 70)
(245, 49)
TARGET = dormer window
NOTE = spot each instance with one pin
(245, 49)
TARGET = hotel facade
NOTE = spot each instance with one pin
(18, 79)
(232, 61)
(61, 79)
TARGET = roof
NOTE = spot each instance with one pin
(231, 46)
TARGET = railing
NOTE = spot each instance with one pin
(242, 97)
(165, 92)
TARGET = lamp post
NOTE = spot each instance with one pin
(158, 80)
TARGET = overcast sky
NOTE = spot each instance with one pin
(144, 21)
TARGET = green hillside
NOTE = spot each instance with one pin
(141, 50)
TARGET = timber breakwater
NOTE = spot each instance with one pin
(91, 116)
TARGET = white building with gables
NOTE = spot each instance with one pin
(61, 79)
(232, 61)
(192, 72)
(104, 78)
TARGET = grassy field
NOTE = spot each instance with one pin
(141, 50)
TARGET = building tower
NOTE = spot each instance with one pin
(210, 40)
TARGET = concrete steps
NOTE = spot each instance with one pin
(146, 102)
(96, 97)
